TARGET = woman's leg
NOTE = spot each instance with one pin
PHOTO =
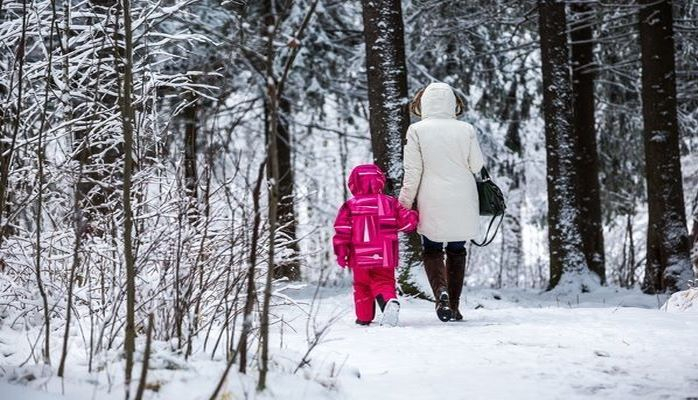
(433, 255)
(455, 247)
(455, 266)
(435, 268)
(431, 246)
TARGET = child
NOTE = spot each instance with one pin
(365, 240)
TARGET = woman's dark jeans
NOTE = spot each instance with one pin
(434, 247)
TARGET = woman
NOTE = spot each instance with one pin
(441, 156)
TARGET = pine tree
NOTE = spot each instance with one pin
(588, 190)
(568, 265)
(668, 266)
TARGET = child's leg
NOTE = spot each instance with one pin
(364, 304)
(383, 284)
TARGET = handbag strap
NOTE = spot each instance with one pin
(486, 241)
(484, 175)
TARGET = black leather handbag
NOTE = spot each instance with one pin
(491, 204)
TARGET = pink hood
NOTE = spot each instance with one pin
(366, 179)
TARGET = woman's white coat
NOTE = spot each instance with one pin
(440, 158)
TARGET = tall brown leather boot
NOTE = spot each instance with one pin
(436, 273)
(455, 267)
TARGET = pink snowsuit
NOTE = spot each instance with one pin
(366, 238)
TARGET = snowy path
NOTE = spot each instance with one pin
(608, 345)
(518, 350)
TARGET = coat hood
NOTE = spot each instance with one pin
(438, 101)
(366, 179)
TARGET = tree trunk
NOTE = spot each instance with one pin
(191, 181)
(7, 149)
(511, 257)
(273, 225)
(668, 266)
(387, 86)
(146, 358)
(273, 175)
(95, 143)
(290, 267)
(568, 266)
(251, 294)
(694, 240)
(389, 117)
(127, 121)
(585, 131)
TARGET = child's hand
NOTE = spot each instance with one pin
(407, 219)
(343, 261)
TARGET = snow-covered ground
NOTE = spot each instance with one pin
(613, 344)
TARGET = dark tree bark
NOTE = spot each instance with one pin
(273, 175)
(389, 117)
(7, 145)
(290, 267)
(146, 359)
(567, 261)
(387, 86)
(191, 181)
(40, 158)
(668, 266)
(251, 296)
(694, 239)
(127, 121)
(585, 130)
